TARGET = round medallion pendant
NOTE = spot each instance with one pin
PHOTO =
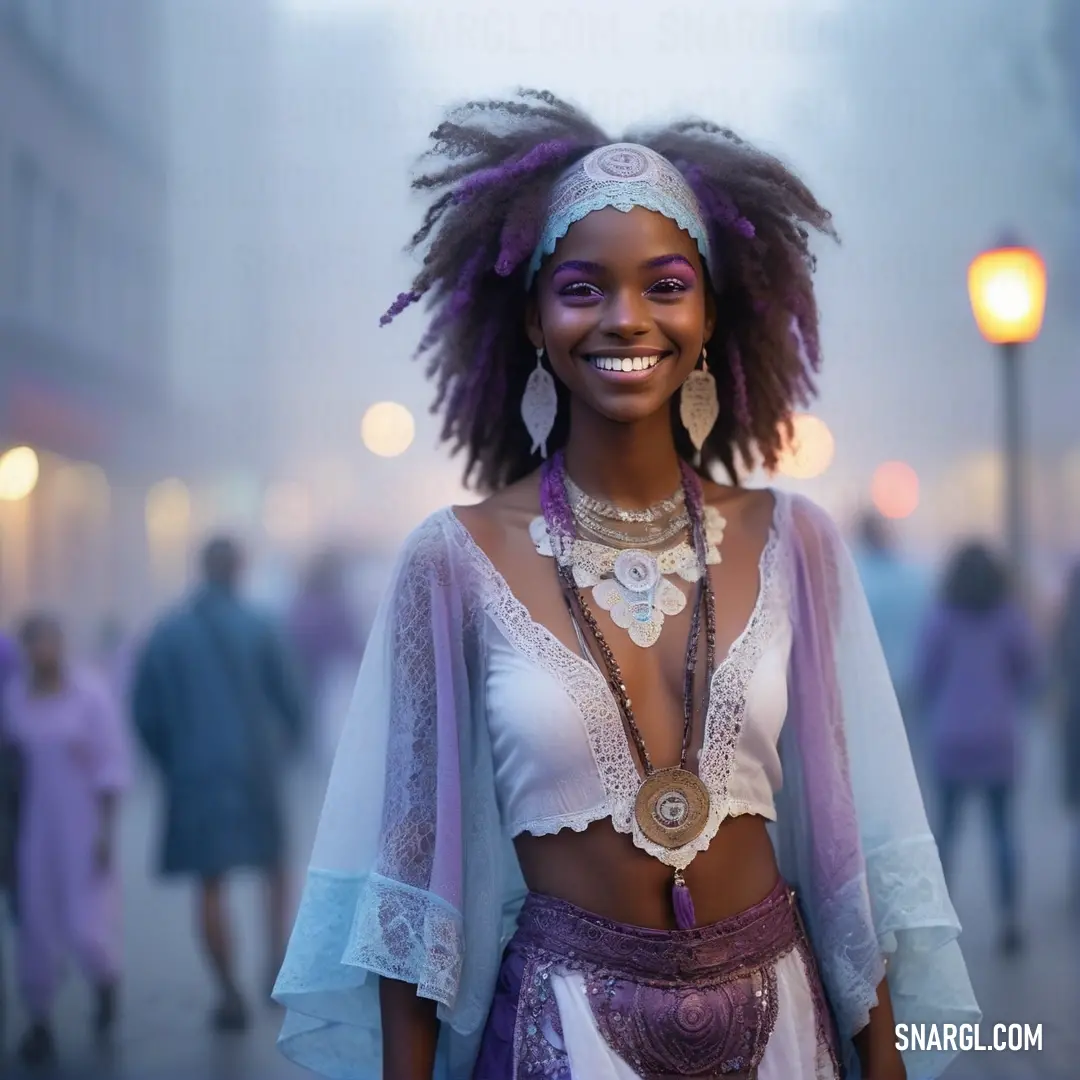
(672, 807)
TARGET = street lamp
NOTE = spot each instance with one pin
(1007, 286)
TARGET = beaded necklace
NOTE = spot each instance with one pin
(672, 805)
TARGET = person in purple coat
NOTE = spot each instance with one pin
(9, 817)
(75, 766)
(975, 667)
(9, 778)
(1067, 671)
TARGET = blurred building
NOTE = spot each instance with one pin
(219, 91)
(219, 72)
(350, 119)
(82, 291)
(1065, 45)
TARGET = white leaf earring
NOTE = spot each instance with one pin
(699, 404)
(539, 404)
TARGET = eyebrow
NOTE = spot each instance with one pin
(596, 268)
(668, 260)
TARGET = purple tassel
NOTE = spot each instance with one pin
(685, 919)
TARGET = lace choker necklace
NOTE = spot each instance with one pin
(629, 578)
(603, 508)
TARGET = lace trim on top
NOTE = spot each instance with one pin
(590, 692)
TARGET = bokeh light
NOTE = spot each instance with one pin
(168, 511)
(810, 451)
(895, 490)
(387, 429)
(1007, 288)
(19, 472)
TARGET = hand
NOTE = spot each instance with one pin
(887, 1067)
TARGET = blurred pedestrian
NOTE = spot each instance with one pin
(1067, 664)
(10, 771)
(216, 702)
(9, 659)
(899, 593)
(10, 778)
(325, 635)
(75, 764)
(976, 665)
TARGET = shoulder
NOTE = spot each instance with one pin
(165, 629)
(754, 506)
(170, 633)
(442, 550)
(90, 686)
(1016, 618)
(812, 522)
(497, 521)
(260, 622)
(793, 516)
(940, 619)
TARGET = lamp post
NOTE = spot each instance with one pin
(1007, 286)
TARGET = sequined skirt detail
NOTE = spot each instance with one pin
(682, 1003)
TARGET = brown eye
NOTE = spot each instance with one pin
(669, 285)
(580, 290)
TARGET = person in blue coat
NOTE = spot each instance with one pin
(217, 704)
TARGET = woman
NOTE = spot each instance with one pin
(1068, 673)
(580, 695)
(975, 668)
(74, 766)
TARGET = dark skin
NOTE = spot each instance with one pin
(620, 284)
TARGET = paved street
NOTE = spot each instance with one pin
(1042, 985)
(166, 995)
(167, 992)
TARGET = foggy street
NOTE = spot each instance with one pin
(279, 282)
(167, 993)
(1042, 984)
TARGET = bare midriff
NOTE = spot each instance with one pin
(603, 872)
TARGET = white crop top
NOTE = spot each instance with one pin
(561, 755)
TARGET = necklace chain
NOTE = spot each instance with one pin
(705, 601)
(606, 509)
(596, 525)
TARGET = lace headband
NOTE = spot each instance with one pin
(622, 176)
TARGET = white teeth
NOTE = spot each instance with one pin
(625, 363)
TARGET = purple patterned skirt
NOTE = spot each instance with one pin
(671, 1003)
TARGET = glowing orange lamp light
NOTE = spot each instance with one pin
(1007, 287)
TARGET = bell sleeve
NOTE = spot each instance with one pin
(854, 833)
(409, 861)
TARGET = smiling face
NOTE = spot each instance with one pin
(623, 309)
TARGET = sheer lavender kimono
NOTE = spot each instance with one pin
(413, 874)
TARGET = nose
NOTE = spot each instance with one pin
(627, 314)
